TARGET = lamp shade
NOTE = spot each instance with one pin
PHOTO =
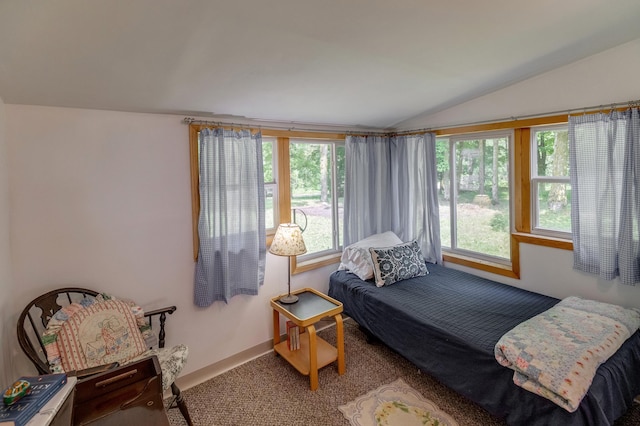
(288, 241)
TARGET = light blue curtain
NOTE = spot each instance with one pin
(605, 185)
(391, 185)
(367, 192)
(231, 225)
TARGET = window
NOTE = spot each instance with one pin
(269, 157)
(521, 134)
(550, 183)
(304, 174)
(317, 192)
(474, 195)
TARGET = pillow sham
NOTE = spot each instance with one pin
(50, 335)
(99, 334)
(356, 257)
(400, 262)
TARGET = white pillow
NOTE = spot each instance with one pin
(357, 259)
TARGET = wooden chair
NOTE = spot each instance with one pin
(37, 314)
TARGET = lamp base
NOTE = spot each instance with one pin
(289, 299)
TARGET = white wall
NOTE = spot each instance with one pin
(101, 200)
(7, 330)
(608, 77)
(601, 79)
(550, 271)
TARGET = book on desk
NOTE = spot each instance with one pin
(58, 410)
(43, 388)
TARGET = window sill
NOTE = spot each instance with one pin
(483, 265)
(318, 262)
(543, 240)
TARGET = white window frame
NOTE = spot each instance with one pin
(335, 237)
(273, 185)
(536, 180)
(506, 134)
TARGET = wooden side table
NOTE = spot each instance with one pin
(314, 352)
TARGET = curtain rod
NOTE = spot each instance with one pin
(337, 129)
(584, 110)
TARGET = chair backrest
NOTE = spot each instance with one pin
(35, 317)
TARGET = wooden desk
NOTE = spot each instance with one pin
(127, 395)
(314, 352)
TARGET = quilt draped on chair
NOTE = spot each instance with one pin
(231, 225)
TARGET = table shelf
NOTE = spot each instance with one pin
(300, 358)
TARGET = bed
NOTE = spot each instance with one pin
(447, 323)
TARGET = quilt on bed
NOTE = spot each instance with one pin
(556, 353)
(450, 318)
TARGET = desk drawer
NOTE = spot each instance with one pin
(131, 394)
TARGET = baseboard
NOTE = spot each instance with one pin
(209, 372)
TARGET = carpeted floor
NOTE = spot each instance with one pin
(268, 391)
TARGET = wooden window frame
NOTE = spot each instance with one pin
(459, 253)
(284, 189)
(283, 180)
(521, 190)
(521, 232)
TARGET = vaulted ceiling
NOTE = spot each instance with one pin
(372, 63)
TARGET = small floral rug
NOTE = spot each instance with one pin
(395, 404)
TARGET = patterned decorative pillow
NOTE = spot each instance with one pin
(101, 333)
(50, 335)
(392, 264)
(357, 259)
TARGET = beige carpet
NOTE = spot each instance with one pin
(268, 391)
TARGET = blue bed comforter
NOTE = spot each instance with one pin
(448, 322)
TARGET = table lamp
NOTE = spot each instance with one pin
(288, 242)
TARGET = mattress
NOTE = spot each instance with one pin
(448, 322)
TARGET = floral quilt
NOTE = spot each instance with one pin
(116, 332)
(100, 345)
(556, 353)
